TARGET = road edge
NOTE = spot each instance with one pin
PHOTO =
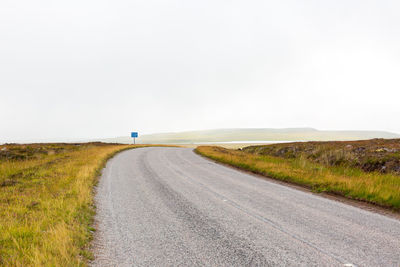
(87, 249)
(364, 205)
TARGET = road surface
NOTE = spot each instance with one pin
(170, 207)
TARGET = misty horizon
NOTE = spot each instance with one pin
(100, 69)
(335, 135)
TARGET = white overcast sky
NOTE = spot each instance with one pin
(101, 68)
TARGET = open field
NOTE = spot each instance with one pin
(375, 187)
(46, 202)
(224, 145)
(252, 134)
(381, 155)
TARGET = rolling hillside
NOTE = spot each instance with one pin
(254, 134)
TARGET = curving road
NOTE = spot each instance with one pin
(169, 207)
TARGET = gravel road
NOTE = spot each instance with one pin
(169, 207)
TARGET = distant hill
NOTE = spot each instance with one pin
(253, 134)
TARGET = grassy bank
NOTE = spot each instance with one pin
(374, 187)
(46, 202)
(375, 155)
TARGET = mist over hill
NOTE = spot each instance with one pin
(252, 134)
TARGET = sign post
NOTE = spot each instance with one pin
(134, 135)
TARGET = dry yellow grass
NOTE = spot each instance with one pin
(373, 187)
(46, 205)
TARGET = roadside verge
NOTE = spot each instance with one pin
(46, 202)
(382, 190)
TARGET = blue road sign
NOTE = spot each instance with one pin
(134, 134)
